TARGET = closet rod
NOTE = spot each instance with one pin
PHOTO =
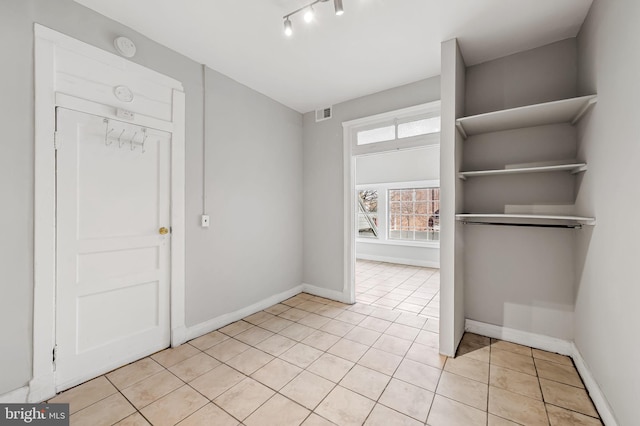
(532, 225)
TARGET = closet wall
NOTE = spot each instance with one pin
(521, 277)
(607, 290)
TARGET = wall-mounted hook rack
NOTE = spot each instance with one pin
(120, 142)
(132, 142)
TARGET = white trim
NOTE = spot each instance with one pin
(18, 396)
(178, 268)
(383, 189)
(404, 144)
(42, 385)
(433, 183)
(60, 39)
(222, 320)
(596, 394)
(399, 260)
(101, 110)
(349, 171)
(202, 328)
(328, 293)
(526, 338)
(393, 118)
(401, 243)
(392, 115)
(349, 129)
(550, 344)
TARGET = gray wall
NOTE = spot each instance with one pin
(607, 293)
(538, 75)
(253, 249)
(521, 278)
(253, 144)
(324, 181)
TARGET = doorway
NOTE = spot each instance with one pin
(384, 161)
(121, 293)
(113, 244)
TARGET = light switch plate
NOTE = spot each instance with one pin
(204, 219)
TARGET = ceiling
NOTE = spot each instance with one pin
(375, 45)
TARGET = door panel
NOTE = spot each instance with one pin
(112, 289)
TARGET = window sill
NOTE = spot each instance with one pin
(424, 244)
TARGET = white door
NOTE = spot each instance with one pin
(113, 208)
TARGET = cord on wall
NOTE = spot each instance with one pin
(204, 219)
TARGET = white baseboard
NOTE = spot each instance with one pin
(41, 388)
(178, 336)
(218, 322)
(18, 396)
(400, 261)
(336, 295)
(598, 398)
(550, 344)
(538, 341)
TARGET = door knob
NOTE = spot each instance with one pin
(163, 231)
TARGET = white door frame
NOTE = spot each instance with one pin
(47, 98)
(350, 151)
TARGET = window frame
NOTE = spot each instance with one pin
(377, 213)
(383, 212)
(418, 112)
(388, 218)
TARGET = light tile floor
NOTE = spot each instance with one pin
(313, 361)
(398, 287)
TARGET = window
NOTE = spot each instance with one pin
(379, 134)
(368, 213)
(419, 127)
(414, 214)
(408, 129)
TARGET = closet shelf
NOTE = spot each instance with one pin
(572, 167)
(566, 110)
(526, 219)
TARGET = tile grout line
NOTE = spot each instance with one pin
(488, 379)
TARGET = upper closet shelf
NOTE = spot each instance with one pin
(573, 168)
(566, 110)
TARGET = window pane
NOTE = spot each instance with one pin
(369, 199)
(422, 208)
(368, 213)
(394, 207)
(419, 127)
(417, 216)
(380, 134)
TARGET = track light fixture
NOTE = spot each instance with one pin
(288, 29)
(309, 14)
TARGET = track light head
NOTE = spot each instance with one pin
(338, 6)
(308, 15)
(288, 28)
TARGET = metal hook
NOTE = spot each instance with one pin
(144, 139)
(119, 141)
(132, 141)
(106, 132)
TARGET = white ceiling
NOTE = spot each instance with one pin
(375, 45)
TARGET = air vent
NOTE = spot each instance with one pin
(323, 114)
